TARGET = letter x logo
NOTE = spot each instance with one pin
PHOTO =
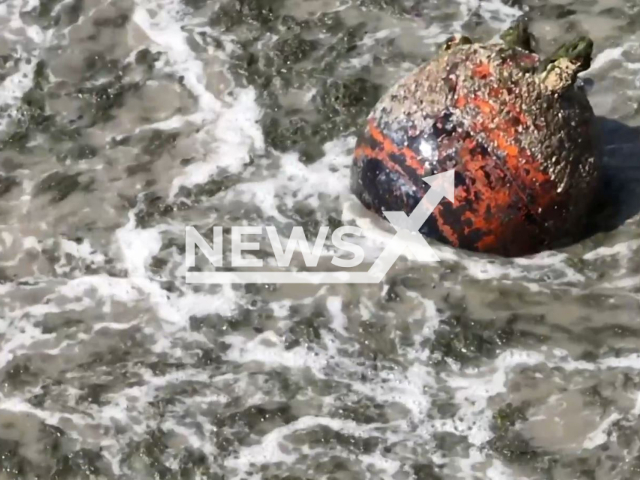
(408, 236)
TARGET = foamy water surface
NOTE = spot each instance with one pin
(122, 122)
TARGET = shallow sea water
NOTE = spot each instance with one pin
(123, 121)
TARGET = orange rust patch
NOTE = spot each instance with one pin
(495, 92)
(389, 148)
(486, 199)
(383, 153)
(363, 152)
(482, 70)
(484, 106)
(445, 229)
(503, 134)
(461, 101)
(488, 204)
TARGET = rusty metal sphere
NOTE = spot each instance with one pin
(521, 141)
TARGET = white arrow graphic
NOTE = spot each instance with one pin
(408, 228)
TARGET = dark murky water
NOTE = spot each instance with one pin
(123, 121)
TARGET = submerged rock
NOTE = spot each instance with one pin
(517, 130)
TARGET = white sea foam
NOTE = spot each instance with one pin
(164, 30)
(226, 144)
(495, 12)
(25, 41)
(406, 384)
(606, 56)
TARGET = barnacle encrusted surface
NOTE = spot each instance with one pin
(521, 141)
